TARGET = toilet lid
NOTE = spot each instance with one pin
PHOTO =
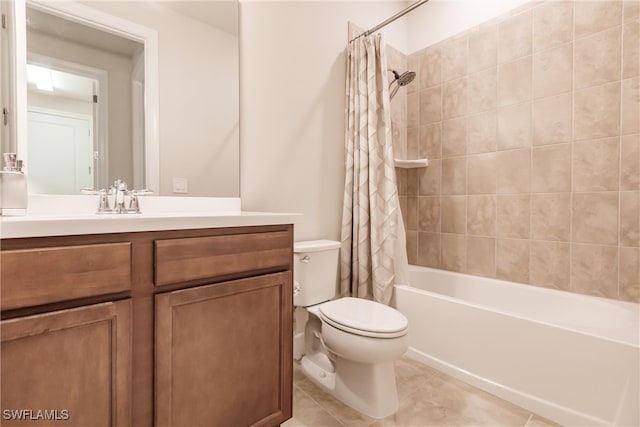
(364, 317)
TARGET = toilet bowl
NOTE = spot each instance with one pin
(350, 343)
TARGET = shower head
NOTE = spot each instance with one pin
(405, 78)
(401, 80)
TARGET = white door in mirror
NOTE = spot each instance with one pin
(60, 152)
(180, 185)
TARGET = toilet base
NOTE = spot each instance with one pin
(368, 388)
(319, 370)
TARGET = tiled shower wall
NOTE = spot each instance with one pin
(531, 124)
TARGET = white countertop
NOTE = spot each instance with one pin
(42, 222)
(63, 225)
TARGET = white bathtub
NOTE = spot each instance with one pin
(571, 358)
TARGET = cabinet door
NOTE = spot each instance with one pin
(71, 367)
(224, 353)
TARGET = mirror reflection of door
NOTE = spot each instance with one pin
(61, 124)
(60, 152)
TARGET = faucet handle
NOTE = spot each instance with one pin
(103, 202)
(134, 205)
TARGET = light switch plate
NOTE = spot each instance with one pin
(180, 185)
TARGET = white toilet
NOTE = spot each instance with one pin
(350, 343)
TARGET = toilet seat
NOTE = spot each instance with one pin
(364, 317)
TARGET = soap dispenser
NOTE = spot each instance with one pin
(13, 186)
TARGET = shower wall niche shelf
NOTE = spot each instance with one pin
(410, 164)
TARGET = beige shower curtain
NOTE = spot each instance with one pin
(373, 254)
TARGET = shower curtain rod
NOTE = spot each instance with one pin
(390, 20)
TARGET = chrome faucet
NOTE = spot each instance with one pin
(119, 192)
(120, 188)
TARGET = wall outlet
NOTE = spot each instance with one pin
(180, 185)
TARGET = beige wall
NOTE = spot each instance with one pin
(292, 106)
(531, 123)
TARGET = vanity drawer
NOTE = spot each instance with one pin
(195, 258)
(45, 275)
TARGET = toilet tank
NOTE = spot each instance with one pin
(316, 271)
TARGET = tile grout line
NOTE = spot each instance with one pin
(319, 404)
(531, 140)
(528, 420)
(620, 151)
(495, 131)
(465, 267)
(572, 140)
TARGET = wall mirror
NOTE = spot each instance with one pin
(144, 91)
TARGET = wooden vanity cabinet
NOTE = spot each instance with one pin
(166, 328)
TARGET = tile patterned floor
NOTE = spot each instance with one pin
(427, 398)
